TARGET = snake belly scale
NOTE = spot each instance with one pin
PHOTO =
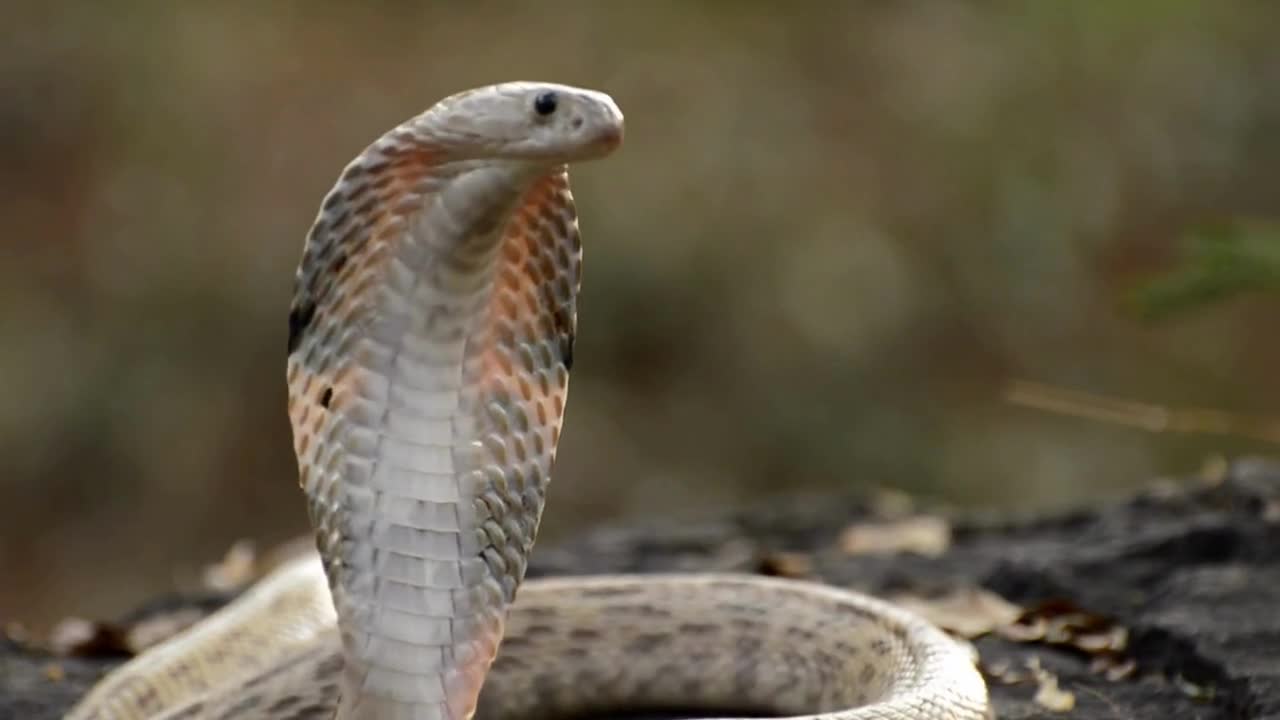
(430, 341)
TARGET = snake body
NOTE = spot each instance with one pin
(430, 340)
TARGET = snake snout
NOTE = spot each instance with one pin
(601, 122)
(609, 138)
(611, 135)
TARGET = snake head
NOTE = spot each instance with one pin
(526, 121)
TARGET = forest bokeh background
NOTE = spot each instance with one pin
(836, 231)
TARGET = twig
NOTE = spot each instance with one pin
(1146, 416)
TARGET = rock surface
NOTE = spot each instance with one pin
(1178, 590)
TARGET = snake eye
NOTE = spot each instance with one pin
(545, 103)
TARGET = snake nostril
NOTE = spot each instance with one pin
(577, 122)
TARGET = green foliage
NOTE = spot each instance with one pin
(1224, 261)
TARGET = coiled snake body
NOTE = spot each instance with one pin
(430, 340)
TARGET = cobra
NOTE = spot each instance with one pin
(431, 335)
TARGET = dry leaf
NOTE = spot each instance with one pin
(1122, 671)
(967, 612)
(80, 637)
(923, 534)
(1062, 623)
(1061, 630)
(1114, 668)
(1192, 690)
(786, 564)
(236, 569)
(1005, 672)
(1114, 639)
(892, 504)
(1026, 630)
(1048, 695)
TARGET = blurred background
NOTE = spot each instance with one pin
(834, 236)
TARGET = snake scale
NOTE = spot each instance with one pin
(431, 335)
